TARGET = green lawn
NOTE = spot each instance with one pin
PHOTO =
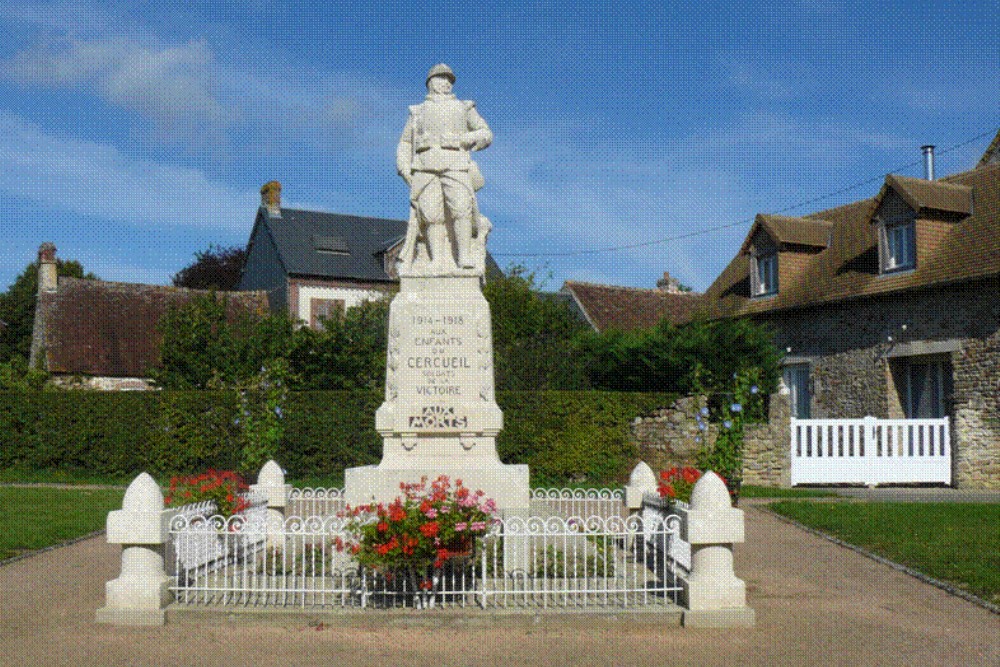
(954, 542)
(41, 517)
(750, 491)
(60, 476)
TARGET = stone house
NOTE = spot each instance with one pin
(606, 307)
(103, 335)
(887, 307)
(312, 264)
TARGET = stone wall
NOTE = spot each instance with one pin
(671, 436)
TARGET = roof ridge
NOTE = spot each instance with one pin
(625, 287)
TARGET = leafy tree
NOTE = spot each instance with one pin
(16, 375)
(203, 346)
(17, 307)
(216, 268)
(533, 335)
(698, 357)
(348, 353)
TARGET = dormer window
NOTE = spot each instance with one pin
(897, 244)
(764, 273)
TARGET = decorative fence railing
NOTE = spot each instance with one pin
(870, 451)
(534, 562)
(315, 502)
(568, 503)
(677, 550)
(209, 540)
(639, 551)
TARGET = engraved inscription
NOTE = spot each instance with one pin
(438, 416)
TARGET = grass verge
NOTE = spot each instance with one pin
(955, 542)
(42, 517)
(750, 491)
(60, 476)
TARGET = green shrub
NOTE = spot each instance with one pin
(564, 436)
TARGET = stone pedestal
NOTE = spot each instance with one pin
(142, 591)
(714, 595)
(440, 414)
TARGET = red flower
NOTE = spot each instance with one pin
(429, 529)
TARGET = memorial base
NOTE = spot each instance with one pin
(506, 484)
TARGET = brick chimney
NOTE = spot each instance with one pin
(669, 284)
(48, 276)
(270, 198)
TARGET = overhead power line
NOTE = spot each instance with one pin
(745, 221)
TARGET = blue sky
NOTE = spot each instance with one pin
(134, 134)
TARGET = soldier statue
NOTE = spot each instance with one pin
(446, 233)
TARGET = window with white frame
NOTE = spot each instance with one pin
(898, 245)
(764, 274)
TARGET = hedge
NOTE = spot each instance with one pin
(563, 436)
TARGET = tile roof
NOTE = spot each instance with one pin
(335, 246)
(992, 154)
(922, 195)
(611, 307)
(108, 329)
(792, 231)
(966, 248)
(331, 245)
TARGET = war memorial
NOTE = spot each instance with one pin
(487, 542)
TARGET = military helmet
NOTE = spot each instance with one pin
(440, 70)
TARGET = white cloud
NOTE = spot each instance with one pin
(98, 180)
(170, 85)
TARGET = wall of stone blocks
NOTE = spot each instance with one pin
(670, 437)
(852, 348)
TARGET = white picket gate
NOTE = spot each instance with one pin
(870, 451)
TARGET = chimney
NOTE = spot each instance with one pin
(669, 284)
(270, 198)
(48, 276)
(928, 161)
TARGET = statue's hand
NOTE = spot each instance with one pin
(408, 177)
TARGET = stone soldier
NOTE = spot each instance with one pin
(433, 159)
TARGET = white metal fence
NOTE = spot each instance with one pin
(315, 502)
(208, 540)
(870, 451)
(540, 561)
(568, 503)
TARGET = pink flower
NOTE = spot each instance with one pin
(477, 525)
(431, 513)
(460, 526)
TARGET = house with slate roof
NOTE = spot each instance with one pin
(104, 335)
(606, 307)
(312, 264)
(887, 307)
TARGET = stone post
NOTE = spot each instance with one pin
(142, 526)
(713, 595)
(641, 481)
(271, 483)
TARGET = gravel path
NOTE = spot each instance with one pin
(817, 604)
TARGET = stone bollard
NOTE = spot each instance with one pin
(640, 482)
(142, 591)
(271, 483)
(714, 596)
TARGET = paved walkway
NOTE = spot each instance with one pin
(816, 603)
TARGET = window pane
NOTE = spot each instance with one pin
(797, 380)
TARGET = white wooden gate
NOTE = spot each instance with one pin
(870, 451)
